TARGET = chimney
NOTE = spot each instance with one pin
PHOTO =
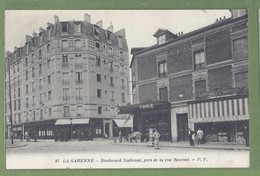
(56, 19)
(181, 33)
(121, 33)
(34, 34)
(99, 23)
(41, 30)
(28, 39)
(87, 18)
(110, 28)
(49, 24)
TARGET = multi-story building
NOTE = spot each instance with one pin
(72, 75)
(194, 80)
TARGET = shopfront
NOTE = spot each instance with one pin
(222, 119)
(150, 116)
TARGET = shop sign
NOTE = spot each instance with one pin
(220, 119)
(147, 106)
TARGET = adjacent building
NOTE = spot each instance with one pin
(72, 75)
(194, 80)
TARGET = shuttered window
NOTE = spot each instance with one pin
(240, 48)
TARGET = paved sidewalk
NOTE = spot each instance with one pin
(17, 143)
(208, 145)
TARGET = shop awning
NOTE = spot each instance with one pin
(63, 122)
(124, 122)
(79, 121)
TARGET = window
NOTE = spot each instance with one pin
(65, 78)
(241, 80)
(26, 89)
(41, 99)
(41, 114)
(34, 115)
(27, 103)
(19, 104)
(98, 61)
(64, 27)
(200, 87)
(97, 46)
(79, 110)
(48, 48)
(33, 100)
(49, 79)
(18, 66)
(99, 93)
(79, 78)
(49, 95)
(26, 62)
(66, 110)
(163, 94)
(120, 43)
(96, 32)
(121, 55)
(123, 97)
(79, 93)
(40, 68)
(65, 93)
(32, 58)
(161, 39)
(109, 36)
(109, 51)
(162, 68)
(111, 68)
(48, 63)
(33, 86)
(14, 93)
(65, 59)
(98, 77)
(77, 27)
(40, 52)
(199, 59)
(19, 117)
(122, 83)
(15, 105)
(99, 109)
(26, 75)
(40, 83)
(49, 32)
(33, 73)
(19, 92)
(111, 81)
(240, 48)
(112, 96)
(78, 44)
(50, 112)
(64, 44)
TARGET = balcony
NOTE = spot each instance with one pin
(40, 102)
(112, 99)
(122, 87)
(27, 105)
(66, 115)
(79, 98)
(161, 75)
(65, 82)
(199, 66)
(33, 104)
(66, 98)
(65, 65)
(78, 65)
(33, 90)
(111, 85)
(79, 82)
(40, 87)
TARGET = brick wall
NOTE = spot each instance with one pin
(220, 78)
(148, 92)
(181, 86)
(179, 58)
(147, 67)
(218, 47)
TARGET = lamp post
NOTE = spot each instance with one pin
(10, 97)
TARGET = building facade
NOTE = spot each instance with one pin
(200, 79)
(71, 75)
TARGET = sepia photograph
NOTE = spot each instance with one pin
(108, 89)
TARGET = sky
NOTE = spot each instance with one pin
(140, 25)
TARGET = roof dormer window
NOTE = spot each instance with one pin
(161, 39)
(64, 27)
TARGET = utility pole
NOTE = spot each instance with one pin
(10, 97)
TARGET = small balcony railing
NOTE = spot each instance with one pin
(79, 82)
(66, 98)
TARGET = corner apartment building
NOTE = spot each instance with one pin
(194, 80)
(73, 75)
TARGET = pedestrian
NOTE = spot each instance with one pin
(120, 136)
(200, 136)
(246, 135)
(156, 136)
(191, 134)
(21, 137)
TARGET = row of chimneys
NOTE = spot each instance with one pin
(179, 33)
(224, 17)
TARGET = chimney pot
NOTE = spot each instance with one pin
(87, 18)
(56, 19)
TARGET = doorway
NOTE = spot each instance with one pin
(182, 127)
